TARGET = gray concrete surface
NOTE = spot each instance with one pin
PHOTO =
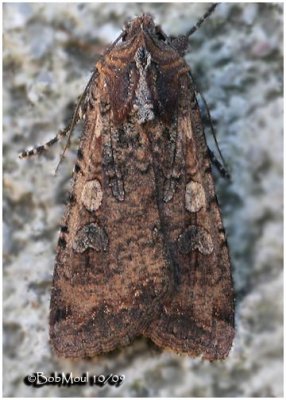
(236, 58)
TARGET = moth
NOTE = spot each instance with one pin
(142, 247)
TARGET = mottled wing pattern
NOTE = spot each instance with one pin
(142, 246)
(111, 272)
(199, 318)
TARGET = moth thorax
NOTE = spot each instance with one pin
(143, 102)
(142, 59)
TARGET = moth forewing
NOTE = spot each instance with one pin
(142, 248)
(199, 319)
(113, 262)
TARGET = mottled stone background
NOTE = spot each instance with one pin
(49, 50)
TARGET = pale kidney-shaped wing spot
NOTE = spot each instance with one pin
(195, 197)
(90, 236)
(91, 196)
(195, 238)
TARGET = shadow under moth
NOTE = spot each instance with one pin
(142, 248)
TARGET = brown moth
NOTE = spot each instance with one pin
(142, 248)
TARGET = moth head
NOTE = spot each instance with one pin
(146, 24)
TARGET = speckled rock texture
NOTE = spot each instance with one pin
(236, 59)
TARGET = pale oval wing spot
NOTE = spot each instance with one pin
(195, 197)
(91, 196)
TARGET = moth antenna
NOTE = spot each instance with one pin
(202, 19)
(67, 132)
(44, 147)
(111, 47)
(61, 134)
(76, 115)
